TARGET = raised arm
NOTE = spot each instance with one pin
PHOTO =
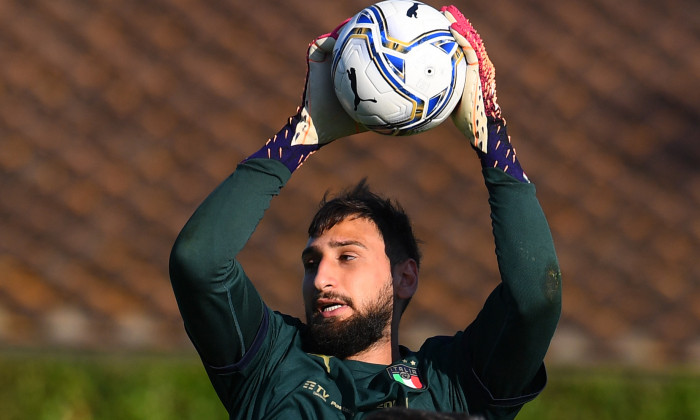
(220, 307)
(508, 340)
(511, 335)
(222, 312)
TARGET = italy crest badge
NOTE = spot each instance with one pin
(406, 375)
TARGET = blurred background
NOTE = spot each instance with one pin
(118, 117)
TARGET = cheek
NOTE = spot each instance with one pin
(307, 290)
(382, 282)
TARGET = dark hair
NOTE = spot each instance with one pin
(394, 225)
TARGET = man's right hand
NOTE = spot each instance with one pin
(323, 118)
(320, 119)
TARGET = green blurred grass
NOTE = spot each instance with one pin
(82, 387)
(614, 393)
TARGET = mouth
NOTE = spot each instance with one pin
(330, 308)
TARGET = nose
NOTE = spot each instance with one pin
(325, 276)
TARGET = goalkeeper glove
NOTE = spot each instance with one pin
(320, 119)
(478, 115)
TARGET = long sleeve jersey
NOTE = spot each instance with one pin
(253, 355)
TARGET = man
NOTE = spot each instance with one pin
(361, 267)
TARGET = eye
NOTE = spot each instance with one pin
(347, 257)
(309, 263)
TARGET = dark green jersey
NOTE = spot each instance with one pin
(254, 356)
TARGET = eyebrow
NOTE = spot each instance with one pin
(333, 244)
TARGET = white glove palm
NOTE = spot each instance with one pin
(320, 119)
(323, 119)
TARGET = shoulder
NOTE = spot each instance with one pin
(443, 346)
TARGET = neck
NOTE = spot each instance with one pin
(383, 352)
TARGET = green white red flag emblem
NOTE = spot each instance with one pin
(405, 375)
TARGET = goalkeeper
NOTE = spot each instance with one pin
(361, 268)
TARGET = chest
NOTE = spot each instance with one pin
(341, 389)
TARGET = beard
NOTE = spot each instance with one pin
(350, 336)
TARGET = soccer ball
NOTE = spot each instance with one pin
(397, 69)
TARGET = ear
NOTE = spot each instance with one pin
(405, 276)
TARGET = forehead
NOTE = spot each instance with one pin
(352, 228)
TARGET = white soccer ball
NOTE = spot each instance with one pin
(397, 69)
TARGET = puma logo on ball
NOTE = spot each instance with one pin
(413, 11)
(353, 85)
